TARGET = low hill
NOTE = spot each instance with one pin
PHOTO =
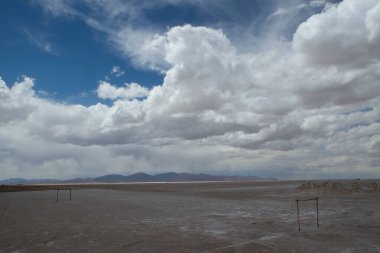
(138, 177)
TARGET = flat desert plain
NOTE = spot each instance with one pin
(248, 216)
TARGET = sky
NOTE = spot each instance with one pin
(285, 89)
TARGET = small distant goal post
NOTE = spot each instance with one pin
(63, 189)
(298, 211)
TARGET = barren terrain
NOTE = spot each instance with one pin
(254, 216)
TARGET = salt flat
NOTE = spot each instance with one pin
(194, 217)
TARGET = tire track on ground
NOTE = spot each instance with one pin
(5, 208)
(3, 212)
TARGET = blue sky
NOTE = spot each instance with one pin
(78, 58)
(67, 57)
(270, 88)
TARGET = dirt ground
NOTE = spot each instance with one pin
(255, 216)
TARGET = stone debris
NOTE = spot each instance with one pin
(341, 186)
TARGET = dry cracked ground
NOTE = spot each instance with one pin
(255, 216)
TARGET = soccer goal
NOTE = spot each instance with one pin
(298, 210)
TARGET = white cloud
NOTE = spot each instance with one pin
(372, 22)
(40, 40)
(13, 109)
(318, 3)
(142, 46)
(130, 91)
(341, 35)
(305, 108)
(57, 7)
(117, 71)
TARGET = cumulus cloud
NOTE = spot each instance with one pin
(11, 108)
(309, 106)
(344, 34)
(130, 91)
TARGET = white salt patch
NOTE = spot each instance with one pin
(49, 244)
(215, 231)
(269, 237)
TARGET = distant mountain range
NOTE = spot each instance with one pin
(137, 177)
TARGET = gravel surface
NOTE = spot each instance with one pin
(189, 217)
